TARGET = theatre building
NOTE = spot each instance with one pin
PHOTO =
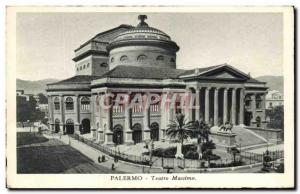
(142, 60)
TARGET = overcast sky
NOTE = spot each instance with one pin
(251, 42)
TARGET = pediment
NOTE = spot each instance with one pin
(225, 75)
(225, 72)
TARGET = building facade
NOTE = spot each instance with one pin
(274, 98)
(141, 61)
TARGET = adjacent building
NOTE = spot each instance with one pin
(274, 98)
(142, 60)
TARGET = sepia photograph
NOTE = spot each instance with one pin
(150, 97)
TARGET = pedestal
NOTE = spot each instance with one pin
(108, 139)
(224, 140)
(94, 134)
(128, 137)
(77, 128)
(147, 134)
(100, 136)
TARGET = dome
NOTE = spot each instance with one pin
(143, 34)
(142, 46)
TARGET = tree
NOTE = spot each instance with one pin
(42, 99)
(276, 117)
(180, 130)
(202, 131)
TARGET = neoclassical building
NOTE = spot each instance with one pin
(142, 60)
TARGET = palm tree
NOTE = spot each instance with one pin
(202, 131)
(180, 130)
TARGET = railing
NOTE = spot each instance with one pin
(244, 158)
(113, 152)
(252, 158)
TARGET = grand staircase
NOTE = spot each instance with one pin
(248, 139)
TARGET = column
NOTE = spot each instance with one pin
(127, 125)
(241, 120)
(108, 133)
(207, 105)
(164, 116)
(146, 120)
(197, 104)
(76, 110)
(233, 107)
(98, 109)
(93, 124)
(62, 104)
(225, 105)
(187, 107)
(50, 114)
(216, 106)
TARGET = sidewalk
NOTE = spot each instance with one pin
(93, 154)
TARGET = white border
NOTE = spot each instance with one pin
(205, 180)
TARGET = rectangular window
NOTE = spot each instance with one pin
(85, 106)
(56, 106)
(69, 106)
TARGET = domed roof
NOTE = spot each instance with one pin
(142, 34)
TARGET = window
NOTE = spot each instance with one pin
(124, 58)
(258, 102)
(160, 58)
(85, 103)
(112, 60)
(56, 104)
(248, 101)
(172, 60)
(77, 69)
(80, 67)
(87, 65)
(83, 66)
(69, 103)
(141, 58)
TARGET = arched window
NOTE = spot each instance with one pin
(88, 65)
(56, 103)
(69, 103)
(103, 65)
(85, 103)
(160, 58)
(112, 60)
(77, 68)
(172, 60)
(141, 57)
(80, 67)
(124, 58)
(83, 66)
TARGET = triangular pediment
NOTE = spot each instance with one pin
(219, 72)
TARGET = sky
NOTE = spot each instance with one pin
(251, 42)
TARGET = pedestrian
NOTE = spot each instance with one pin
(112, 166)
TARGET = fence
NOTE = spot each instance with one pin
(251, 158)
(244, 158)
(113, 152)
